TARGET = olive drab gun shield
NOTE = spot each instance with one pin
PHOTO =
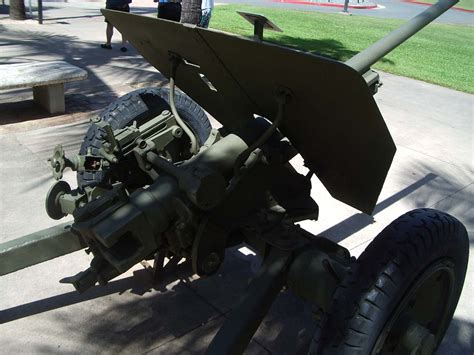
(331, 117)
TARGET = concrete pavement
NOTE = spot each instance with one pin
(433, 167)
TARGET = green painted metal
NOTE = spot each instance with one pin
(228, 192)
(38, 247)
(315, 262)
(234, 336)
(347, 146)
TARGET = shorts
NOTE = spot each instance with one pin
(169, 11)
(124, 8)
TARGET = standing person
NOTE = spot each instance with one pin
(206, 12)
(118, 5)
(169, 10)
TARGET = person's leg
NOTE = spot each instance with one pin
(159, 12)
(177, 12)
(124, 42)
(205, 18)
(126, 8)
(109, 32)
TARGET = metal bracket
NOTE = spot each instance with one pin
(176, 59)
(208, 248)
(282, 96)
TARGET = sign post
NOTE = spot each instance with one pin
(40, 12)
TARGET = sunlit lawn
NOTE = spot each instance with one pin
(464, 4)
(441, 54)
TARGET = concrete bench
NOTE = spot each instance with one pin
(46, 78)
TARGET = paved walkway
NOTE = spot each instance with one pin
(431, 125)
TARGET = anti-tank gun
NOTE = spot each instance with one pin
(155, 182)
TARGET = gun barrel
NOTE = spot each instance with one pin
(38, 247)
(363, 60)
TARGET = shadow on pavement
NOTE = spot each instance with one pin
(459, 338)
(183, 313)
(184, 308)
(71, 17)
(88, 95)
(183, 316)
(359, 221)
(27, 110)
(437, 184)
(91, 13)
(66, 299)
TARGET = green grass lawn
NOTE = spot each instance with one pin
(440, 54)
(465, 4)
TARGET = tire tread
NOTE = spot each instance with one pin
(415, 237)
(126, 109)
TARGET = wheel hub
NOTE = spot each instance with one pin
(416, 325)
(418, 340)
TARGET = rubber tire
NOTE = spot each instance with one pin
(383, 274)
(123, 111)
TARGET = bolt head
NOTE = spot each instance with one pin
(211, 263)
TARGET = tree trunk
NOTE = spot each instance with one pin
(191, 11)
(17, 10)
